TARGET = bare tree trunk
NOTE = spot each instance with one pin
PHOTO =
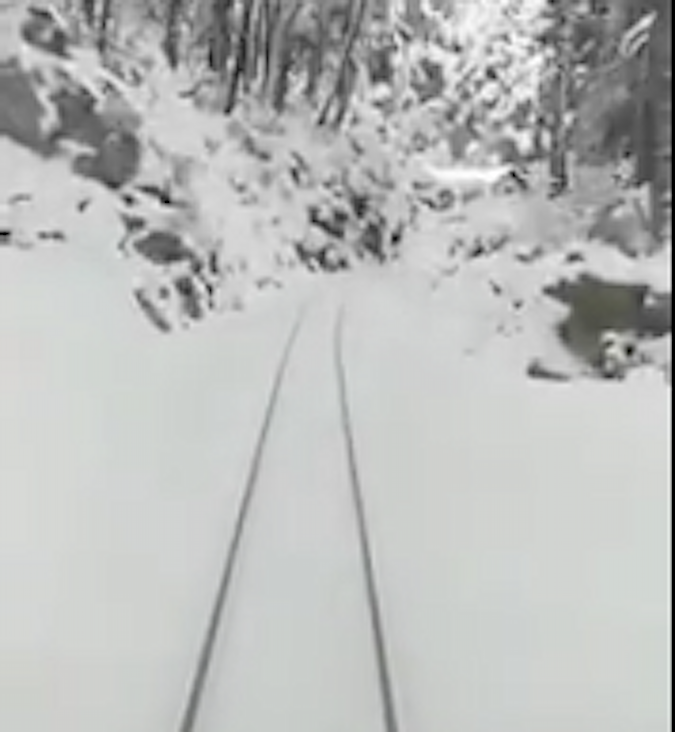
(89, 12)
(315, 63)
(236, 77)
(272, 10)
(257, 50)
(172, 32)
(341, 89)
(220, 44)
(413, 13)
(661, 94)
(104, 25)
(344, 98)
(283, 58)
(559, 156)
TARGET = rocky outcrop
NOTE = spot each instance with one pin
(608, 320)
(54, 93)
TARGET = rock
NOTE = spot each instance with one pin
(164, 248)
(373, 239)
(332, 260)
(152, 311)
(333, 220)
(118, 159)
(603, 305)
(618, 354)
(25, 116)
(658, 313)
(107, 129)
(189, 296)
(45, 29)
(606, 318)
(53, 94)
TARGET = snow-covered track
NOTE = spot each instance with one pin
(196, 693)
(279, 490)
(375, 610)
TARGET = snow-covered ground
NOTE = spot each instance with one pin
(522, 531)
(121, 454)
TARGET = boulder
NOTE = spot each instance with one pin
(52, 92)
(45, 29)
(607, 319)
(24, 113)
(163, 248)
(602, 305)
(152, 310)
(116, 160)
(190, 297)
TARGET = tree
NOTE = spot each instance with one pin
(661, 94)
(104, 25)
(221, 34)
(339, 98)
(89, 12)
(561, 94)
(172, 32)
(241, 57)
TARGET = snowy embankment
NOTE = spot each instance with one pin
(516, 278)
(207, 213)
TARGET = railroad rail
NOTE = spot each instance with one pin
(254, 491)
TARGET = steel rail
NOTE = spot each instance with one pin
(197, 688)
(376, 616)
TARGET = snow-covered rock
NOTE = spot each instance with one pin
(55, 94)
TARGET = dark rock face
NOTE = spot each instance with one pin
(118, 159)
(163, 248)
(45, 30)
(658, 313)
(602, 305)
(23, 115)
(152, 311)
(44, 102)
(190, 297)
(607, 319)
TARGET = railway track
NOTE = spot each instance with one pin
(348, 492)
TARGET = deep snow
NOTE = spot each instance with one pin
(522, 531)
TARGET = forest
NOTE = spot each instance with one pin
(335, 365)
(430, 134)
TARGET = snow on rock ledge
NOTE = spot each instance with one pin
(54, 94)
(618, 309)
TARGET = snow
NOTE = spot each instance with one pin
(521, 531)
(296, 652)
(39, 198)
(120, 456)
(461, 176)
(524, 536)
